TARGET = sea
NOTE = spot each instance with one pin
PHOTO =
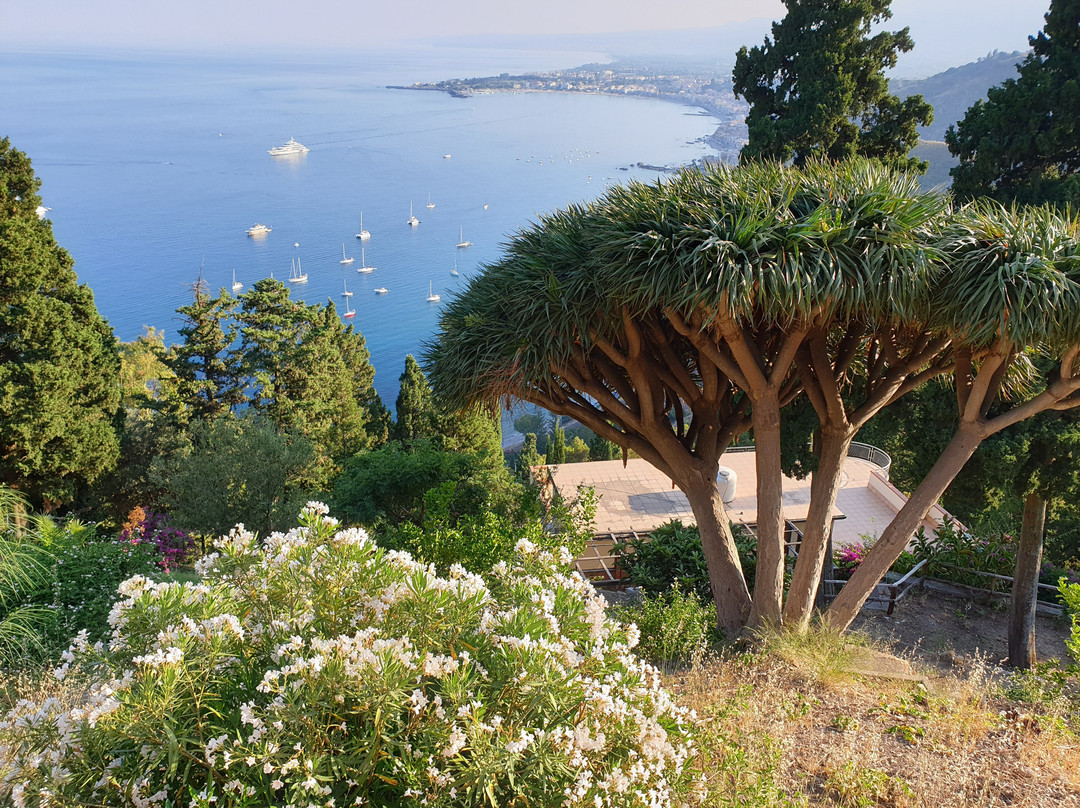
(155, 165)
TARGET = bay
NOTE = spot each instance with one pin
(154, 166)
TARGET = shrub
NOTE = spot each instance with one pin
(676, 628)
(153, 530)
(321, 669)
(85, 572)
(1070, 594)
(672, 555)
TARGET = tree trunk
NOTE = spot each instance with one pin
(899, 531)
(730, 595)
(1025, 584)
(824, 487)
(769, 577)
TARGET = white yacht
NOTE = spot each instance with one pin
(461, 235)
(382, 290)
(364, 269)
(430, 204)
(259, 229)
(345, 259)
(412, 221)
(346, 293)
(291, 147)
(431, 296)
(236, 285)
(298, 275)
(363, 235)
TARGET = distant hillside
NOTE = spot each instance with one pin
(952, 92)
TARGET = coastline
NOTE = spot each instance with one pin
(698, 88)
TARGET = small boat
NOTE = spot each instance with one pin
(430, 204)
(290, 147)
(346, 293)
(413, 221)
(454, 271)
(382, 290)
(258, 230)
(431, 296)
(363, 235)
(298, 275)
(461, 235)
(344, 258)
(364, 269)
(485, 206)
(349, 311)
(446, 156)
(236, 285)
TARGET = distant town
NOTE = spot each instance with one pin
(694, 86)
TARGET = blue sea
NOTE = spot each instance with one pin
(155, 165)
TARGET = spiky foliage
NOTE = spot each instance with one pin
(1013, 289)
(650, 315)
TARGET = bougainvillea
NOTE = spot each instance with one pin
(153, 530)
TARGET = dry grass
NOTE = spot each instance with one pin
(791, 725)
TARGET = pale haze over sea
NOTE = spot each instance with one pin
(155, 162)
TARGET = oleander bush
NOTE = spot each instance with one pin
(317, 668)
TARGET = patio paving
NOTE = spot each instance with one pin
(640, 498)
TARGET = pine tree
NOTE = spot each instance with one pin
(59, 369)
(208, 379)
(818, 88)
(1022, 144)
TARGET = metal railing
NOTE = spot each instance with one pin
(860, 451)
(871, 454)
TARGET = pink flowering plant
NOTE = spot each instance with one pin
(317, 669)
(152, 530)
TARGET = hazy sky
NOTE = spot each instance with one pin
(36, 24)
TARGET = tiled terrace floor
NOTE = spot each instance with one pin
(640, 498)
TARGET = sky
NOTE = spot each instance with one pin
(953, 28)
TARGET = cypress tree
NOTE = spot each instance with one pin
(59, 368)
(416, 416)
(818, 88)
(557, 452)
(1022, 143)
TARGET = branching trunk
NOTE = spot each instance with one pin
(823, 490)
(897, 535)
(769, 580)
(1026, 583)
(730, 595)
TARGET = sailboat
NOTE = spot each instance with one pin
(363, 235)
(349, 311)
(430, 204)
(461, 235)
(236, 285)
(346, 293)
(454, 271)
(413, 221)
(381, 290)
(364, 268)
(298, 275)
(431, 296)
(344, 258)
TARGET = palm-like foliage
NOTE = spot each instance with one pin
(22, 570)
